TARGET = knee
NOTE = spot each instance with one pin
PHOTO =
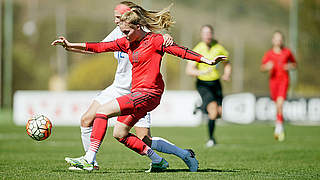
(119, 135)
(87, 120)
(212, 111)
(279, 102)
(142, 132)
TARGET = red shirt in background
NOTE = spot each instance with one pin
(279, 77)
(279, 60)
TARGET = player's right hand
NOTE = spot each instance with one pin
(62, 41)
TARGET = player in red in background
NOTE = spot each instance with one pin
(278, 61)
(145, 50)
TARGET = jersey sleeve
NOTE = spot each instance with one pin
(182, 52)
(117, 45)
(176, 50)
(265, 58)
(291, 57)
(196, 49)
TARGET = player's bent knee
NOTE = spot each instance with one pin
(141, 132)
(87, 120)
(119, 134)
(213, 114)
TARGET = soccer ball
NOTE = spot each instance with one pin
(39, 127)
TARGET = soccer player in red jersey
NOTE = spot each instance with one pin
(121, 86)
(278, 61)
(145, 50)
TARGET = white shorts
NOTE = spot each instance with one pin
(111, 93)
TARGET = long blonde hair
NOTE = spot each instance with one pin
(153, 20)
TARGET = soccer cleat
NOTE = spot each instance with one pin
(210, 143)
(279, 136)
(79, 163)
(191, 161)
(279, 132)
(158, 167)
(72, 168)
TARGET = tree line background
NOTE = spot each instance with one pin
(243, 27)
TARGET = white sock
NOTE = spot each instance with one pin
(85, 137)
(154, 156)
(90, 156)
(161, 145)
(279, 128)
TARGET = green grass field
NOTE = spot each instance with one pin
(244, 152)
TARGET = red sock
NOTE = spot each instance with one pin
(99, 129)
(279, 118)
(134, 143)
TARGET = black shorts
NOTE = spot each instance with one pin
(209, 91)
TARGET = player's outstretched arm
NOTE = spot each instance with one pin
(75, 47)
(118, 45)
(186, 53)
(214, 61)
(79, 51)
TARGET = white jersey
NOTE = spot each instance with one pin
(123, 75)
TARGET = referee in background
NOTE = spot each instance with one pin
(208, 78)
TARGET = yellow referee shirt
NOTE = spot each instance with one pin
(209, 53)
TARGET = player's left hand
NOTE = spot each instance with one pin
(167, 40)
(288, 66)
(215, 61)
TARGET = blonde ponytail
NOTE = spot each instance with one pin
(153, 20)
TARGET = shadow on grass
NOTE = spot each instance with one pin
(218, 170)
(143, 171)
(203, 170)
(79, 171)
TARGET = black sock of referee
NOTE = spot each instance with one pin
(211, 126)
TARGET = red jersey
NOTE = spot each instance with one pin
(279, 60)
(145, 57)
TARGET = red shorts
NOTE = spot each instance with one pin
(135, 105)
(278, 88)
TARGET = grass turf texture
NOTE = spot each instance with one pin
(244, 152)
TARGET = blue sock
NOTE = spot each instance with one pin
(161, 145)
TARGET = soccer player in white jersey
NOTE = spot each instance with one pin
(121, 86)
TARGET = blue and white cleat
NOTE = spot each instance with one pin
(79, 163)
(191, 161)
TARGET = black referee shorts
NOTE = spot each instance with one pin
(209, 91)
